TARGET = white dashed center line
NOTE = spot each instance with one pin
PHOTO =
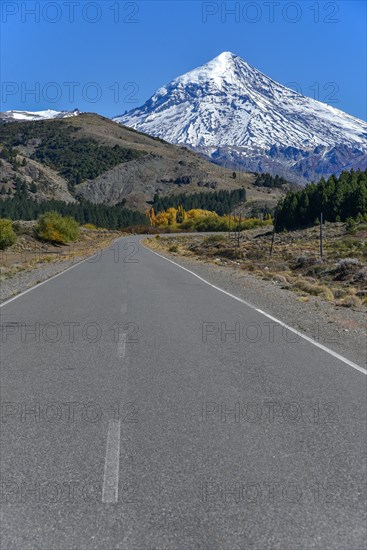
(112, 464)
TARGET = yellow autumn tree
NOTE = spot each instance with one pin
(172, 214)
(199, 213)
(161, 219)
(152, 217)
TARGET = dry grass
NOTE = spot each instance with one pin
(314, 289)
(28, 252)
(339, 277)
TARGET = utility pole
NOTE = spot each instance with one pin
(273, 237)
(239, 229)
(321, 237)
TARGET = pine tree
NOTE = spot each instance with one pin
(180, 216)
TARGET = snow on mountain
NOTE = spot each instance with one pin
(238, 116)
(10, 116)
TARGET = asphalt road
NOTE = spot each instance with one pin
(144, 409)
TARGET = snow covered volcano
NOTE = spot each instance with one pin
(237, 116)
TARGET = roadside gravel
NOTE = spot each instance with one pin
(23, 280)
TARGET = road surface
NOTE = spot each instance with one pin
(144, 409)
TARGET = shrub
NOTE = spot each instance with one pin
(347, 262)
(23, 229)
(256, 254)
(339, 293)
(56, 229)
(314, 289)
(346, 268)
(351, 300)
(188, 225)
(230, 253)
(305, 261)
(361, 276)
(7, 234)
(351, 226)
(214, 239)
(279, 278)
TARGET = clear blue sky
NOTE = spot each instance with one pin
(117, 52)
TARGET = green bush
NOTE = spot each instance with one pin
(351, 226)
(7, 235)
(57, 229)
(188, 225)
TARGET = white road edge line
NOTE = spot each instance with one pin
(53, 276)
(304, 336)
(42, 283)
(112, 464)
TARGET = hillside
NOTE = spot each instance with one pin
(91, 157)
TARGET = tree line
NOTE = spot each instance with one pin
(222, 202)
(338, 198)
(178, 219)
(110, 217)
(266, 180)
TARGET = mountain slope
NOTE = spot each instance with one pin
(61, 157)
(238, 116)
